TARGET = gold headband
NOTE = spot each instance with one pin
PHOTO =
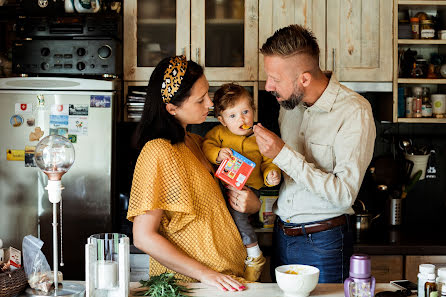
(172, 77)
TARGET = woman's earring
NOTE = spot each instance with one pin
(174, 113)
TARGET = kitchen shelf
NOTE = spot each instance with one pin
(422, 120)
(156, 21)
(424, 81)
(422, 41)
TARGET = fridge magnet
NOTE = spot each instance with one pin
(40, 100)
(72, 138)
(21, 108)
(78, 125)
(15, 155)
(16, 120)
(30, 122)
(59, 109)
(57, 121)
(35, 136)
(78, 109)
(62, 131)
(29, 156)
(100, 101)
(235, 170)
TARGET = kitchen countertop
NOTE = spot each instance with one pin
(273, 290)
(265, 289)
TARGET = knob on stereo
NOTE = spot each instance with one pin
(104, 52)
(80, 66)
(81, 51)
(45, 51)
(44, 66)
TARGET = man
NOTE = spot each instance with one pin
(328, 135)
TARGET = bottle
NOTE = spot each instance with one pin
(415, 26)
(441, 280)
(427, 30)
(416, 107)
(424, 269)
(426, 106)
(409, 102)
(430, 287)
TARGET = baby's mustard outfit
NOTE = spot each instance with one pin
(220, 137)
(196, 219)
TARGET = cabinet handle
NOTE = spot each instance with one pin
(334, 59)
(197, 55)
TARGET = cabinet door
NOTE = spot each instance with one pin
(413, 262)
(275, 14)
(359, 39)
(224, 38)
(387, 268)
(153, 30)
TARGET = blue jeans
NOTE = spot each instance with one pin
(328, 250)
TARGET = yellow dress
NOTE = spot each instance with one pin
(196, 219)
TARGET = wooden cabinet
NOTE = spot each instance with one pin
(353, 36)
(221, 35)
(413, 262)
(387, 268)
(425, 49)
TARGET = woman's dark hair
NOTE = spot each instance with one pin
(156, 122)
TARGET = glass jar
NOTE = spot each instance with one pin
(419, 69)
(427, 30)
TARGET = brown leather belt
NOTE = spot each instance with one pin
(313, 228)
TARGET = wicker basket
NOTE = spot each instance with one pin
(12, 282)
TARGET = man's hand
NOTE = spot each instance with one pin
(223, 154)
(273, 178)
(269, 143)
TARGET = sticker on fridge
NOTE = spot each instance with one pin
(29, 156)
(78, 109)
(100, 101)
(59, 125)
(59, 109)
(78, 125)
(21, 108)
(15, 155)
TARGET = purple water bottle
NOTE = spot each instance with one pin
(361, 283)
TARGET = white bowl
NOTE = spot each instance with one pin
(300, 284)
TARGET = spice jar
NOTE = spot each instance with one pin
(427, 30)
(419, 69)
(415, 26)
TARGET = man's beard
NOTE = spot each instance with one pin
(291, 102)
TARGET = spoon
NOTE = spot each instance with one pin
(406, 145)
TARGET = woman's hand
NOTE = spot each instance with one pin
(222, 281)
(243, 200)
(223, 154)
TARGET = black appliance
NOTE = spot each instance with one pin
(70, 56)
(70, 26)
(75, 45)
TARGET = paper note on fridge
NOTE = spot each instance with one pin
(235, 170)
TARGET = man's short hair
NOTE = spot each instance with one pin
(292, 40)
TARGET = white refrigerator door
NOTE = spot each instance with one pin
(87, 195)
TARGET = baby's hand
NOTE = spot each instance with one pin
(223, 154)
(273, 178)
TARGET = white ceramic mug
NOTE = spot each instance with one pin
(438, 103)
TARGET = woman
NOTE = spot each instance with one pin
(179, 214)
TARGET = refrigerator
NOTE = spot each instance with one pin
(81, 110)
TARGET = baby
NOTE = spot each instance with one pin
(234, 108)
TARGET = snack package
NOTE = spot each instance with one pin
(236, 170)
(266, 215)
(36, 266)
(13, 258)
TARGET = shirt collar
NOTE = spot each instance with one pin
(328, 97)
